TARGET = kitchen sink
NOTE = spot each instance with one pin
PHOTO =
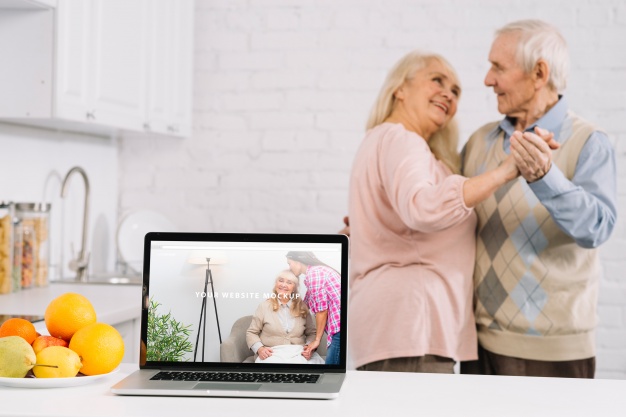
(105, 279)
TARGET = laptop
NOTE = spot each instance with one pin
(208, 296)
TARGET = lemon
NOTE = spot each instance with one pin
(57, 362)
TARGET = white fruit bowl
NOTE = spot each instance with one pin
(32, 382)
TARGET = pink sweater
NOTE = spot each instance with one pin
(412, 252)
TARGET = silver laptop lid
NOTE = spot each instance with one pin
(208, 296)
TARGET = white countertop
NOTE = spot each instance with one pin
(113, 303)
(363, 394)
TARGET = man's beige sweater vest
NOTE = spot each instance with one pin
(535, 288)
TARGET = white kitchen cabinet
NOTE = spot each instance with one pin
(28, 4)
(26, 72)
(131, 333)
(114, 64)
(101, 62)
(170, 67)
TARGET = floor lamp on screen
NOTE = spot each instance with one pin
(208, 259)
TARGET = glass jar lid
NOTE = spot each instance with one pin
(34, 207)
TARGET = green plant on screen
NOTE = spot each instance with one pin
(168, 339)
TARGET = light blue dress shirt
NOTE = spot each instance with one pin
(585, 207)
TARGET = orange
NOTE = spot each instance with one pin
(67, 313)
(100, 347)
(19, 327)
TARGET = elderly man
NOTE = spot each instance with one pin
(537, 269)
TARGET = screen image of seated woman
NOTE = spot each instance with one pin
(282, 325)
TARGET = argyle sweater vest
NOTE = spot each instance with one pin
(535, 288)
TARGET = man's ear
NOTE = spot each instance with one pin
(541, 74)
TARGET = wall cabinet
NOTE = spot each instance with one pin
(101, 62)
(170, 67)
(114, 64)
(28, 4)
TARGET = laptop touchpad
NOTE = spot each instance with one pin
(229, 386)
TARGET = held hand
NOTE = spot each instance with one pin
(532, 155)
(309, 349)
(265, 352)
(548, 137)
(345, 230)
(509, 168)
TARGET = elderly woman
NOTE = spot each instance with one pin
(412, 226)
(282, 325)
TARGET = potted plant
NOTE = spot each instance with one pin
(168, 339)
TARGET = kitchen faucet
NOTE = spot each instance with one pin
(80, 263)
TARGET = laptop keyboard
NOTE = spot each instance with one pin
(235, 377)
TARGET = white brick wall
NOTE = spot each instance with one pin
(283, 88)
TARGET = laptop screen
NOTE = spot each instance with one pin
(244, 301)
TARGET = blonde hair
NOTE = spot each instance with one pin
(540, 40)
(443, 143)
(298, 307)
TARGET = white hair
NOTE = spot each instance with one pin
(541, 41)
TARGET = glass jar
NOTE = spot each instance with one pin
(35, 219)
(6, 247)
(18, 243)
